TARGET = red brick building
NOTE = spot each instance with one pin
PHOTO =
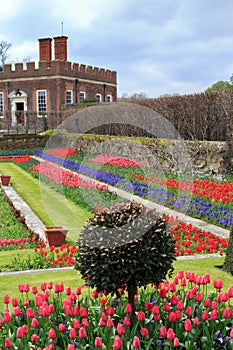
(52, 84)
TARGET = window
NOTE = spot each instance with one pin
(41, 102)
(1, 105)
(109, 98)
(69, 96)
(82, 96)
(98, 97)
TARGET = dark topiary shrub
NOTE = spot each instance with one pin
(228, 263)
(124, 247)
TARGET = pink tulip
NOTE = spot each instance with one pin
(98, 342)
(136, 343)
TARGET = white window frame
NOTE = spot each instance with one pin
(39, 110)
(98, 97)
(109, 98)
(82, 96)
(69, 96)
(1, 104)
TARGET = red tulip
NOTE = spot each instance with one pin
(82, 332)
(170, 334)
(218, 284)
(14, 302)
(166, 306)
(196, 321)
(207, 303)
(30, 312)
(70, 347)
(85, 322)
(141, 316)
(62, 327)
(117, 343)
(34, 323)
(20, 333)
(148, 306)
(6, 299)
(110, 323)
(6, 316)
(98, 342)
(214, 314)
(17, 311)
(187, 325)
(180, 305)
(226, 313)
(95, 294)
(126, 321)
(8, 343)
(176, 342)
(110, 310)
(52, 334)
(144, 332)
(162, 332)
(172, 317)
(83, 312)
(231, 333)
(120, 329)
(128, 308)
(136, 343)
(34, 338)
(199, 297)
(189, 311)
(72, 333)
(204, 315)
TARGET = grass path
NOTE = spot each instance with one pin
(51, 207)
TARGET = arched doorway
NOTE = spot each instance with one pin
(18, 103)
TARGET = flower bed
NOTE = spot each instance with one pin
(20, 159)
(220, 213)
(179, 314)
(189, 240)
(61, 152)
(104, 159)
(43, 258)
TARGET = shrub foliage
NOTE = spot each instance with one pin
(123, 247)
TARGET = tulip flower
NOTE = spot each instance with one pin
(52, 334)
(187, 325)
(8, 343)
(144, 332)
(128, 308)
(117, 343)
(136, 343)
(34, 338)
(170, 334)
(141, 316)
(82, 332)
(72, 333)
(98, 342)
(120, 329)
(6, 299)
(176, 342)
(162, 332)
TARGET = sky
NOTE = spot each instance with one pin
(157, 47)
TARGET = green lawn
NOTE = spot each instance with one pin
(51, 207)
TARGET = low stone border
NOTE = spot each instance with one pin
(33, 223)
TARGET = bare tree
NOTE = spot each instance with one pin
(4, 47)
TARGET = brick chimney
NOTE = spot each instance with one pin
(60, 48)
(45, 49)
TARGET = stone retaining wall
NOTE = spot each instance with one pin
(22, 141)
(204, 158)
